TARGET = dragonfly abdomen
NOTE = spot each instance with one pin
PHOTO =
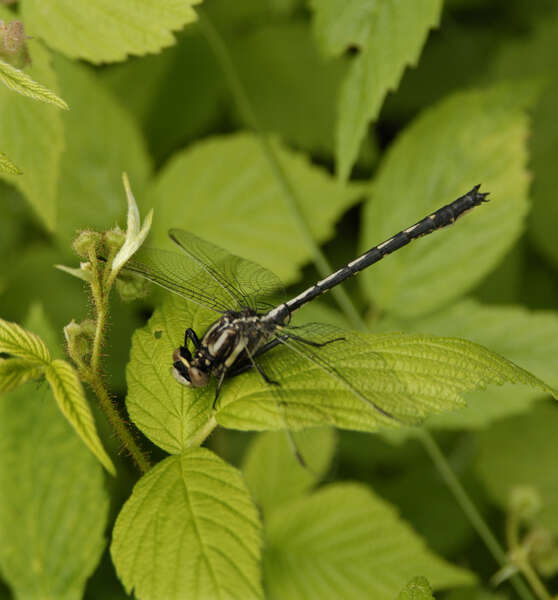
(441, 218)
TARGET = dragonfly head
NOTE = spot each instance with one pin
(187, 370)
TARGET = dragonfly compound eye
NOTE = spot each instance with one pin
(198, 378)
(181, 366)
(181, 374)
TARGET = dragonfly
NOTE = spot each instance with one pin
(250, 324)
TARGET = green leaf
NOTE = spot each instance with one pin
(544, 216)
(30, 274)
(535, 56)
(169, 414)
(18, 81)
(7, 166)
(312, 82)
(101, 31)
(53, 506)
(36, 320)
(339, 25)
(164, 105)
(231, 177)
(437, 75)
(101, 141)
(344, 541)
(16, 371)
(189, 530)
(471, 137)
(410, 376)
(520, 57)
(72, 402)
(391, 35)
(528, 338)
(520, 451)
(475, 594)
(416, 488)
(417, 589)
(15, 340)
(32, 136)
(85, 274)
(272, 471)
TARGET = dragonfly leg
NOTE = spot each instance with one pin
(218, 389)
(190, 334)
(313, 343)
(263, 374)
(246, 364)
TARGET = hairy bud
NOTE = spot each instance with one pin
(114, 239)
(13, 48)
(525, 502)
(79, 337)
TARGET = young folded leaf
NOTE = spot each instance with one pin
(135, 231)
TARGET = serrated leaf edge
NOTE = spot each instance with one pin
(8, 167)
(18, 81)
(16, 340)
(70, 397)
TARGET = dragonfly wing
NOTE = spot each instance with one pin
(336, 354)
(280, 398)
(244, 282)
(178, 274)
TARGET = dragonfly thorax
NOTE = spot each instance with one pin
(231, 339)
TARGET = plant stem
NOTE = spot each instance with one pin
(100, 312)
(243, 103)
(122, 431)
(534, 580)
(203, 433)
(519, 556)
(470, 510)
(92, 375)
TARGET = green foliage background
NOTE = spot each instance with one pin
(377, 112)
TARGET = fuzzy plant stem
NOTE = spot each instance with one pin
(100, 287)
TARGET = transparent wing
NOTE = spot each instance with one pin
(206, 274)
(178, 274)
(270, 378)
(243, 282)
(330, 384)
(335, 353)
